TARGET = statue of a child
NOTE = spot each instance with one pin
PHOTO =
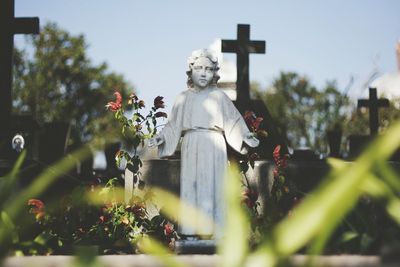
(207, 119)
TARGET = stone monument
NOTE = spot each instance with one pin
(358, 142)
(9, 25)
(205, 117)
(243, 47)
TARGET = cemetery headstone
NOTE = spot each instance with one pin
(358, 142)
(373, 104)
(243, 47)
(52, 142)
(9, 25)
(334, 138)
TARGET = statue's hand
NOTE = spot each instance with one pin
(156, 141)
(251, 140)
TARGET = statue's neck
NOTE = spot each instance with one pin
(198, 89)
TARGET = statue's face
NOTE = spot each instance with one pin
(202, 72)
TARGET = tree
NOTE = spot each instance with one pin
(302, 112)
(60, 83)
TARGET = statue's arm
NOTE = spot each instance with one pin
(251, 140)
(156, 140)
(236, 131)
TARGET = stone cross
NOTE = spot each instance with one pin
(9, 25)
(373, 103)
(243, 47)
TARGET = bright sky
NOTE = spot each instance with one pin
(149, 41)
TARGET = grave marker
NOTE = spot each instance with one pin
(243, 47)
(373, 103)
(9, 25)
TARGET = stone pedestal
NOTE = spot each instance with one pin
(156, 172)
(305, 174)
(195, 247)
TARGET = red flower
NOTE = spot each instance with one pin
(276, 172)
(158, 102)
(248, 117)
(283, 161)
(252, 120)
(115, 106)
(102, 219)
(132, 99)
(160, 114)
(38, 204)
(276, 154)
(141, 104)
(280, 161)
(250, 197)
(251, 193)
(168, 229)
(138, 209)
(37, 208)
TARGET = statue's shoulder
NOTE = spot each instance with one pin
(219, 93)
(181, 96)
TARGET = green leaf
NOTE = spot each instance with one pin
(43, 238)
(157, 250)
(348, 236)
(233, 247)
(318, 215)
(9, 227)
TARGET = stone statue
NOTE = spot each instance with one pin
(205, 117)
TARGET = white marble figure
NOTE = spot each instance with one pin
(203, 115)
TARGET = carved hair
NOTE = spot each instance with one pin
(202, 53)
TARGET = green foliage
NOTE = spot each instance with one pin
(314, 220)
(310, 225)
(302, 112)
(135, 128)
(60, 83)
(13, 201)
(94, 216)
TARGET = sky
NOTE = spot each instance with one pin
(149, 41)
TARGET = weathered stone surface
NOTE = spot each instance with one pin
(192, 260)
(195, 247)
(111, 261)
(306, 174)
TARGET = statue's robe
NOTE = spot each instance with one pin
(205, 118)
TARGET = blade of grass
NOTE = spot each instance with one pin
(151, 246)
(172, 206)
(9, 180)
(14, 206)
(234, 243)
(389, 175)
(330, 202)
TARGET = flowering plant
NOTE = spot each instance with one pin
(250, 194)
(280, 186)
(283, 196)
(136, 128)
(96, 216)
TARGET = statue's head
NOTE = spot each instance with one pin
(202, 69)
